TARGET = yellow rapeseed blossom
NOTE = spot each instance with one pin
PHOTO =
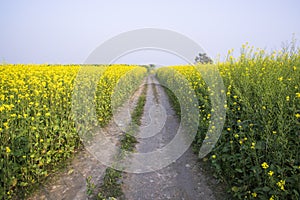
(264, 165)
(254, 194)
(7, 149)
(287, 98)
(5, 124)
(270, 173)
(255, 86)
(281, 184)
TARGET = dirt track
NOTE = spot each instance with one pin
(182, 179)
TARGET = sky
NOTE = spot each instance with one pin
(69, 31)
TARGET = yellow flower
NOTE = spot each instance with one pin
(298, 94)
(7, 149)
(5, 124)
(297, 115)
(287, 98)
(270, 173)
(281, 184)
(280, 78)
(272, 197)
(254, 194)
(264, 165)
(214, 156)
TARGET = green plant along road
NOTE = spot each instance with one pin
(256, 157)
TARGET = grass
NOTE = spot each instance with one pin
(112, 184)
(155, 92)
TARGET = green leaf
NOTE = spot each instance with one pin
(239, 170)
(235, 189)
(266, 189)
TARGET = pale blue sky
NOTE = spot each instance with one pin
(68, 31)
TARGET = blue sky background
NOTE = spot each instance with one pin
(68, 31)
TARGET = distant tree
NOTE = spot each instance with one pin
(203, 59)
(151, 66)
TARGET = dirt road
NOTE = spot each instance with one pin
(182, 179)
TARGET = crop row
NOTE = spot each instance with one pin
(257, 154)
(42, 113)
